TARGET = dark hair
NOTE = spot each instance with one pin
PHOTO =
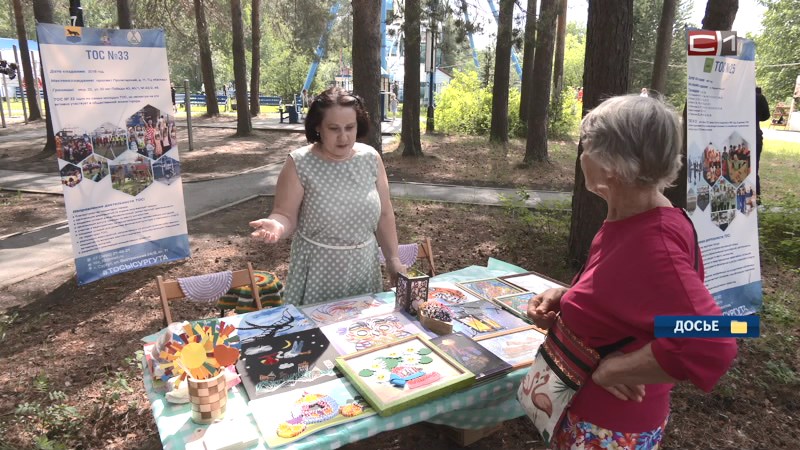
(328, 98)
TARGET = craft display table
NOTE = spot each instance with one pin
(478, 407)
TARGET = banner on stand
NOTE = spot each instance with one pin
(112, 112)
(721, 163)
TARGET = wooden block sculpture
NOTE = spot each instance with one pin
(209, 398)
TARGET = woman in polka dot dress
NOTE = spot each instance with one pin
(333, 195)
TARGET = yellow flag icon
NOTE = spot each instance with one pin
(738, 327)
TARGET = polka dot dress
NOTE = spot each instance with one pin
(341, 207)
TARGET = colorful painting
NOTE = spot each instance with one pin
(360, 334)
(402, 374)
(305, 411)
(266, 323)
(482, 317)
(449, 294)
(516, 304)
(478, 360)
(531, 282)
(489, 288)
(517, 347)
(349, 308)
(282, 363)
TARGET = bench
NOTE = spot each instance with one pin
(19, 94)
(298, 108)
(269, 100)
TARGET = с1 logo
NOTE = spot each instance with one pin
(712, 43)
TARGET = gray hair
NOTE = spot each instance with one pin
(638, 138)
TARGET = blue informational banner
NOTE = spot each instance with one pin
(721, 166)
(707, 326)
(111, 105)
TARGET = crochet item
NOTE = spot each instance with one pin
(206, 288)
(240, 298)
(407, 253)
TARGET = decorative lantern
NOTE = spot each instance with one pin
(412, 291)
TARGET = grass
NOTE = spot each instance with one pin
(780, 171)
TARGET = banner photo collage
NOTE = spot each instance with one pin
(110, 101)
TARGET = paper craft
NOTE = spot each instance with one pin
(489, 288)
(449, 294)
(532, 282)
(478, 360)
(201, 351)
(265, 323)
(287, 362)
(402, 374)
(288, 416)
(516, 304)
(483, 317)
(517, 347)
(349, 308)
(360, 334)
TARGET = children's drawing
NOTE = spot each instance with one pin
(449, 294)
(478, 360)
(255, 326)
(531, 282)
(516, 347)
(349, 308)
(489, 288)
(516, 304)
(360, 334)
(483, 317)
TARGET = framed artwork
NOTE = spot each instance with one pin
(363, 333)
(532, 282)
(516, 304)
(399, 375)
(449, 294)
(349, 308)
(517, 347)
(489, 288)
(291, 361)
(305, 411)
(478, 360)
(265, 323)
(482, 317)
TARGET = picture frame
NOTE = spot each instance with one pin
(483, 317)
(354, 335)
(489, 288)
(334, 311)
(517, 347)
(476, 358)
(448, 293)
(532, 281)
(516, 304)
(388, 376)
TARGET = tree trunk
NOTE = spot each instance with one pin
(409, 137)
(367, 64)
(536, 146)
(605, 73)
(663, 45)
(720, 15)
(43, 12)
(502, 61)
(34, 113)
(561, 43)
(206, 66)
(255, 68)
(124, 15)
(526, 86)
(243, 124)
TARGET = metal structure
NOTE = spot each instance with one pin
(513, 52)
(320, 51)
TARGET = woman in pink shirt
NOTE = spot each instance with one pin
(644, 262)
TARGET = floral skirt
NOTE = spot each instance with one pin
(575, 434)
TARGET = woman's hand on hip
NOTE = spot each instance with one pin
(393, 267)
(543, 308)
(266, 230)
(604, 376)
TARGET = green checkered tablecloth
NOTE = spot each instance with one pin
(477, 407)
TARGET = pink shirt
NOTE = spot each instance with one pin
(639, 268)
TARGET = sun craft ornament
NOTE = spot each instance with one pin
(202, 351)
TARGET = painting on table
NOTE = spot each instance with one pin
(489, 288)
(303, 412)
(398, 375)
(482, 317)
(532, 282)
(516, 304)
(449, 294)
(287, 362)
(355, 335)
(349, 308)
(517, 347)
(257, 325)
(478, 360)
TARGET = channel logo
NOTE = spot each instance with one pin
(712, 43)
(707, 326)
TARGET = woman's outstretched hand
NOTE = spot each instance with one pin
(543, 308)
(266, 230)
